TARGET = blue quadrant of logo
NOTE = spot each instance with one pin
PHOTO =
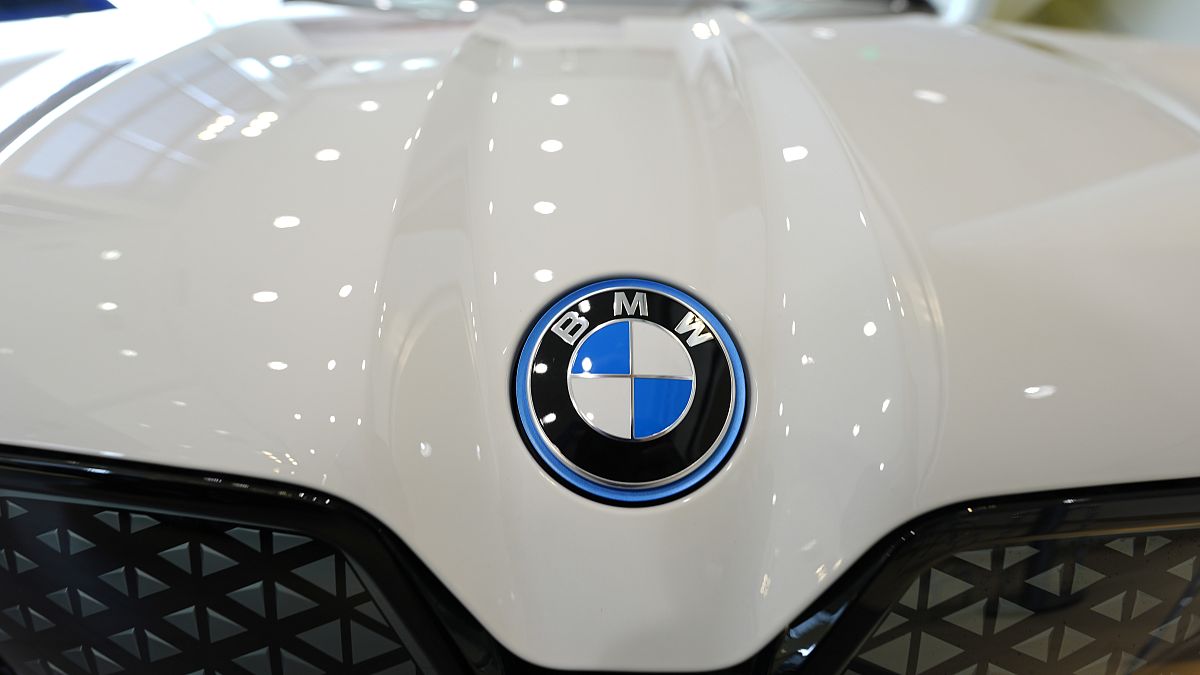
(604, 352)
(657, 404)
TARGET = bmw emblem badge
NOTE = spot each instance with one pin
(630, 391)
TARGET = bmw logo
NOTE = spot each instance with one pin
(630, 391)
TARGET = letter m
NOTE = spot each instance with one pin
(621, 304)
(692, 323)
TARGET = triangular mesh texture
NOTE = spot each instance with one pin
(104, 590)
(1108, 605)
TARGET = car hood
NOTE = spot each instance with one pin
(958, 262)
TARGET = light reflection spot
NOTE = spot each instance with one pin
(264, 296)
(110, 255)
(284, 222)
(468, 6)
(362, 67)
(368, 106)
(331, 365)
(540, 368)
(107, 306)
(794, 153)
(277, 365)
(545, 208)
(929, 96)
(328, 155)
(560, 99)
(551, 145)
(344, 291)
(701, 31)
(420, 63)
(253, 69)
(1040, 391)
(854, 430)
(869, 328)
(544, 275)
(556, 6)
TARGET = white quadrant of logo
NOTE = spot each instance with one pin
(632, 379)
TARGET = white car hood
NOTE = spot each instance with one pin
(958, 264)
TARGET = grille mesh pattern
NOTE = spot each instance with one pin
(1091, 607)
(93, 591)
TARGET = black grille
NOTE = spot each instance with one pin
(93, 590)
(1093, 607)
(1098, 581)
(114, 567)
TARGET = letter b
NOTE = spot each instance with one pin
(570, 327)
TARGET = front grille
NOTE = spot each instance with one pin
(114, 567)
(91, 589)
(1099, 581)
(1095, 606)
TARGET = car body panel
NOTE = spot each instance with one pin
(905, 224)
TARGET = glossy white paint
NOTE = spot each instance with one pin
(956, 265)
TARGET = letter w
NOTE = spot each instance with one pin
(692, 323)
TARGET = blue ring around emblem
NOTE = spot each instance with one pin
(630, 495)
